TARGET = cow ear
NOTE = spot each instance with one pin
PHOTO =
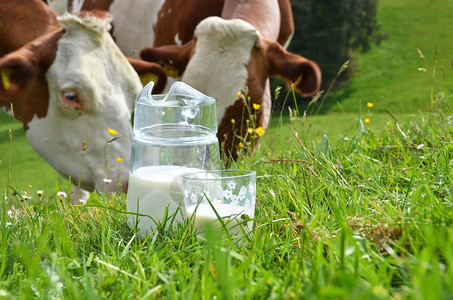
(173, 58)
(16, 74)
(19, 68)
(149, 71)
(303, 73)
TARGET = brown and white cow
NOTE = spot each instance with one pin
(219, 56)
(68, 83)
(239, 50)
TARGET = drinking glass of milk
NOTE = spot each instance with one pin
(227, 195)
(174, 134)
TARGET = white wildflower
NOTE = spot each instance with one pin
(62, 194)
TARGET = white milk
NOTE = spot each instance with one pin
(204, 214)
(154, 189)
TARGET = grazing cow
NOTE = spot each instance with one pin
(239, 50)
(68, 82)
(220, 56)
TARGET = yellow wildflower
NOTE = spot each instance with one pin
(367, 120)
(250, 130)
(241, 145)
(260, 131)
(119, 159)
(256, 106)
(369, 104)
(238, 94)
(233, 121)
(112, 131)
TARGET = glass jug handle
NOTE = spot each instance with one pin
(146, 92)
(181, 88)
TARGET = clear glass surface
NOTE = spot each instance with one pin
(225, 194)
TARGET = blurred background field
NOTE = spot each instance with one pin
(404, 74)
(415, 57)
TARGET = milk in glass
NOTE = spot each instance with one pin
(230, 215)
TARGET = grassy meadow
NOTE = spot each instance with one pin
(353, 203)
(410, 66)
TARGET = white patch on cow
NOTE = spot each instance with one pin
(269, 20)
(59, 6)
(136, 19)
(89, 62)
(266, 105)
(218, 67)
(77, 5)
(178, 40)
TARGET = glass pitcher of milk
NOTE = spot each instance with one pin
(174, 134)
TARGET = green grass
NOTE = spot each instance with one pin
(388, 75)
(28, 171)
(345, 209)
(366, 215)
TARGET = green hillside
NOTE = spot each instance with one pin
(417, 54)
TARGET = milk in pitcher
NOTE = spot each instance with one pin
(153, 189)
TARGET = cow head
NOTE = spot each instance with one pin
(227, 56)
(70, 86)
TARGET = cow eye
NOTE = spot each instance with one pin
(70, 96)
(71, 99)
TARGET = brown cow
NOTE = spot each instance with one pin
(68, 83)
